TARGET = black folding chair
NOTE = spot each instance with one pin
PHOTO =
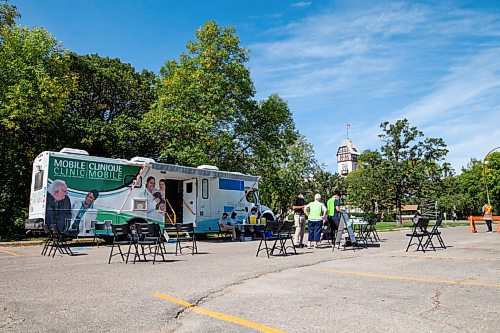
(185, 233)
(270, 233)
(121, 236)
(420, 232)
(284, 234)
(371, 231)
(435, 232)
(100, 230)
(49, 241)
(149, 234)
(60, 241)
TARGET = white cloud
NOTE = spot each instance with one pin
(301, 4)
(436, 65)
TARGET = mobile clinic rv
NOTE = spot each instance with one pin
(71, 189)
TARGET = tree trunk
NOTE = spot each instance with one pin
(399, 221)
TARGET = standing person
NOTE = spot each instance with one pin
(487, 214)
(299, 218)
(58, 205)
(316, 213)
(333, 214)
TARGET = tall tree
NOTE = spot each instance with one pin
(35, 83)
(200, 99)
(410, 163)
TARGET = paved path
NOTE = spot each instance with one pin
(226, 288)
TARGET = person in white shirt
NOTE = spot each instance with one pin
(223, 225)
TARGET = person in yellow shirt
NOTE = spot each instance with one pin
(487, 215)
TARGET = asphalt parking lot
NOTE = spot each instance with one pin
(226, 288)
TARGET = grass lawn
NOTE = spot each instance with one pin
(390, 226)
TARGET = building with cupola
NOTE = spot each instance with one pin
(347, 157)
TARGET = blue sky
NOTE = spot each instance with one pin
(436, 63)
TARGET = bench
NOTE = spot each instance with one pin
(472, 219)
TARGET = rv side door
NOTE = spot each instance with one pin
(189, 201)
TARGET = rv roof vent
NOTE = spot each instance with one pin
(74, 151)
(139, 159)
(208, 167)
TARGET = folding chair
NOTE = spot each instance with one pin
(73, 227)
(121, 236)
(270, 233)
(149, 234)
(49, 241)
(420, 232)
(285, 233)
(60, 241)
(100, 230)
(185, 233)
(435, 232)
(372, 231)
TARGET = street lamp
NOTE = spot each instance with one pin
(484, 173)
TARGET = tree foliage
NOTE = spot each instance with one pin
(8, 14)
(103, 114)
(202, 99)
(35, 83)
(405, 171)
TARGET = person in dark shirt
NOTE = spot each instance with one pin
(299, 218)
(58, 205)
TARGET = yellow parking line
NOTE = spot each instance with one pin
(11, 253)
(218, 315)
(405, 278)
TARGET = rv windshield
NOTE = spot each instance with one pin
(253, 196)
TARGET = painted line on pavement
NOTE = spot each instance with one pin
(11, 253)
(407, 278)
(218, 315)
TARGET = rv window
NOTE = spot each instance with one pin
(129, 179)
(38, 180)
(204, 188)
(189, 187)
(250, 197)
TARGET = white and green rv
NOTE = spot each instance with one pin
(72, 189)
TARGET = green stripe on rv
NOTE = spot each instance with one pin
(85, 175)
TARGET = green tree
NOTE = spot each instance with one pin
(201, 98)
(35, 83)
(405, 171)
(205, 114)
(410, 165)
(468, 190)
(365, 185)
(282, 178)
(8, 14)
(325, 183)
(103, 114)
